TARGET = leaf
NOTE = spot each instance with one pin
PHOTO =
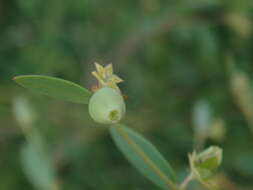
(55, 87)
(38, 167)
(144, 156)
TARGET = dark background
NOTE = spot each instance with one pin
(171, 55)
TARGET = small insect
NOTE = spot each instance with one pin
(125, 97)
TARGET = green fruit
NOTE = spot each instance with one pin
(107, 106)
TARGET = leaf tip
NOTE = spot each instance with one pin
(15, 79)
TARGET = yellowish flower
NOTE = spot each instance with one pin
(105, 76)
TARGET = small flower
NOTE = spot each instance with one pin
(105, 76)
(106, 106)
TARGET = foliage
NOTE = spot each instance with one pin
(172, 54)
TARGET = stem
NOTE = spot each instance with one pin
(186, 181)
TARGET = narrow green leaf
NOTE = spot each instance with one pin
(38, 167)
(144, 156)
(55, 87)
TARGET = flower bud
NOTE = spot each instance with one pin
(205, 163)
(107, 106)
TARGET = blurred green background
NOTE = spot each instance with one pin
(173, 56)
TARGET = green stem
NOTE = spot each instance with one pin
(186, 181)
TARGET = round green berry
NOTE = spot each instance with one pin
(107, 106)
